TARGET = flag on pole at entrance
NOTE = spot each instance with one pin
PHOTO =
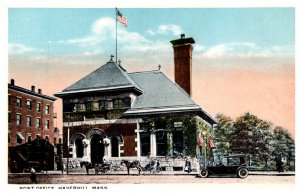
(122, 19)
(200, 140)
(211, 143)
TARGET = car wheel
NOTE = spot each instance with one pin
(242, 173)
(203, 173)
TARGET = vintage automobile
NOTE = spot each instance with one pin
(229, 165)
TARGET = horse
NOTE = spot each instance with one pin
(87, 165)
(133, 164)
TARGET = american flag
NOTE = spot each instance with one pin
(122, 19)
(200, 140)
(211, 143)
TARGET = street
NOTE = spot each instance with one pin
(147, 179)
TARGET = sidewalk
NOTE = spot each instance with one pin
(274, 173)
(133, 172)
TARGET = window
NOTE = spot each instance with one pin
(177, 142)
(28, 105)
(47, 109)
(54, 140)
(103, 104)
(144, 126)
(9, 138)
(38, 107)
(28, 121)
(19, 119)
(145, 143)
(19, 103)
(95, 105)
(161, 143)
(59, 140)
(29, 138)
(19, 139)
(110, 104)
(47, 137)
(118, 104)
(47, 124)
(38, 123)
(9, 99)
(88, 106)
(9, 117)
(114, 147)
(79, 107)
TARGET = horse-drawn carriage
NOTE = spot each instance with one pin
(99, 167)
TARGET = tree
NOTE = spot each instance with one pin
(223, 132)
(284, 145)
(251, 135)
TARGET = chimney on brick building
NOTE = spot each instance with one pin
(33, 88)
(12, 82)
(39, 91)
(183, 62)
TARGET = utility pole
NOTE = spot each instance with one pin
(68, 147)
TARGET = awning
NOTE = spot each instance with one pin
(19, 134)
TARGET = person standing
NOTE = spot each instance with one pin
(45, 166)
(33, 175)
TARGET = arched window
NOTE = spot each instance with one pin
(114, 147)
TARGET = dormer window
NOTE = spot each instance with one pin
(103, 104)
(95, 105)
(79, 107)
(118, 104)
(92, 106)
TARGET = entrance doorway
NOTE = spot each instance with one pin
(79, 148)
(97, 149)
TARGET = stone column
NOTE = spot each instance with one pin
(153, 144)
(107, 147)
(74, 150)
(87, 150)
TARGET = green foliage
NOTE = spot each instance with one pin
(283, 144)
(189, 129)
(250, 135)
(223, 132)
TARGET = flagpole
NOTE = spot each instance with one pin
(116, 36)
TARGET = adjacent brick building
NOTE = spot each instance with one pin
(30, 115)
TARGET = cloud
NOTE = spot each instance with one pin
(103, 33)
(19, 49)
(101, 30)
(167, 29)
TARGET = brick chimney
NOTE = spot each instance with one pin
(183, 62)
(33, 88)
(12, 82)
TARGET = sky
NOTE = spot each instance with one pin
(243, 58)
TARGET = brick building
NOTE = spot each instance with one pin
(30, 114)
(113, 114)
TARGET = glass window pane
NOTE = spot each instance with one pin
(161, 143)
(145, 143)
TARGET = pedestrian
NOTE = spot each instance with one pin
(279, 164)
(33, 175)
(45, 166)
(188, 166)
